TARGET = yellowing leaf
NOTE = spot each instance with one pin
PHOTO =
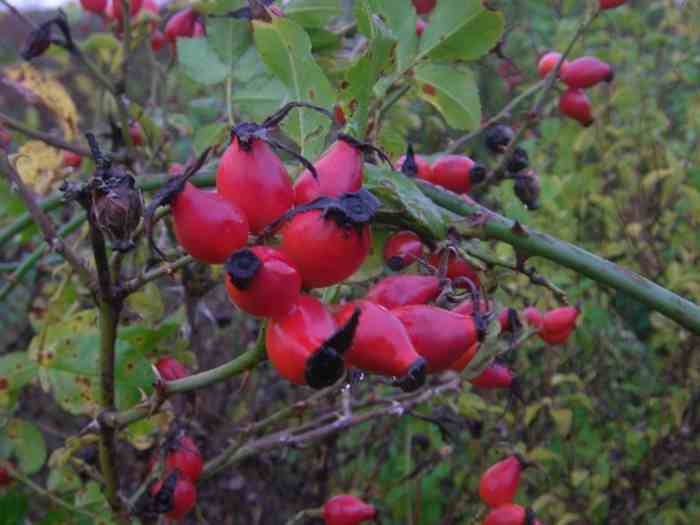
(562, 418)
(578, 476)
(39, 165)
(33, 85)
(569, 518)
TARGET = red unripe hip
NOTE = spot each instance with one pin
(585, 72)
(575, 104)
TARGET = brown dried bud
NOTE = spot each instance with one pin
(117, 207)
(527, 188)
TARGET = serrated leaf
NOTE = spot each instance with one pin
(200, 62)
(401, 197)
(312, 13)
(453, 91)
(16, 370)
(285, 49)
(24, 441)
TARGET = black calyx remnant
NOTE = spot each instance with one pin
(326, 365)
(415, 377)
(478, 172)
(518, 160)
(242, 267)
(365, 147)
(497, 138)
(409, 166)
(527, 189)
(41, 38)
(248, 132)
(164, 499)
(350, 210)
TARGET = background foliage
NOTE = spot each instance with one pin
(611, 418)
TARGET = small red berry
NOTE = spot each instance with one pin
(456, 173)
(585, 72)
(420, 26)
(94, 6)
(611, 4)
(183, 455)
(71, 159)
(533, 318)
(347, 510)
(175, 496)
(402, 249)
(339, 171)
(171, 369)
(494, 377)
(548, 62)
(441, 336)
(403, 290)
(207, 226)
(158, 40)
(499, 483)
(423, 7)
(253, 177)
(575, 104)
(306, 347)
(456, 267)
(262, 281)
(558, 324)
(510, 515)
(382, 345)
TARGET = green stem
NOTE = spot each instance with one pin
(533, 243)
(37, 254)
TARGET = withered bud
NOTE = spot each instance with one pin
(527, 188)
(117, 207)
(38, 41)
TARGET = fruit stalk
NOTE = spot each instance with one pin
(533, 243)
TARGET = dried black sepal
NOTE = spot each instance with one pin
(527, 189)
(365, 147)
(518, 161)
(477, 174)
(409, 166)
(247, 132)
(41, 38)
(242, 267)
(415, 377)
(497, 137)
(164, 499)
(326, 365)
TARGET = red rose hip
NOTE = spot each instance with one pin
(347, 510)
(575, 104)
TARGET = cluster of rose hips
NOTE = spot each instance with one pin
(497, 488)
(577, 75)
(186, 23)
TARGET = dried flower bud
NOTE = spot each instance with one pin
(518, 161)
(117, 207)
(497, 137)
(527, 189)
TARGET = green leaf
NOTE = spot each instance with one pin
(453, 91)
(260, 97)
(402, 23)
(229, 38)
(62, 480)
(16, 370)
(67, 354)
(209, 135)
(312, 13)
(366, 71)
(147, 303)
(461, 31)
(13, 507)
(402, 199)
(373, 266)
(200, 62)
(23, 440)
(285, 49)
